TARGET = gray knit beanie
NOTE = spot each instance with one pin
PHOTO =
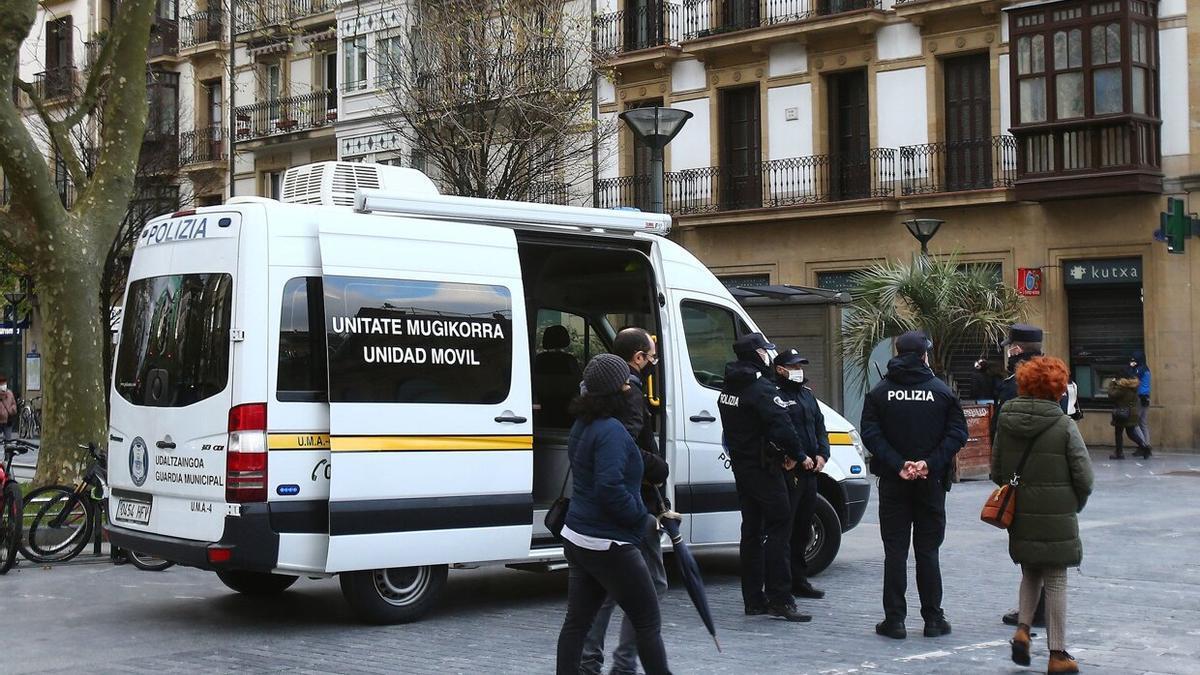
(605, 374)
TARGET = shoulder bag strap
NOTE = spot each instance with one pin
(1016, 479)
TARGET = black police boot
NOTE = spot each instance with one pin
(802, 589)
(756, 610)
(937, 628)
(787, 613)
(1010, 619)
(891, 629)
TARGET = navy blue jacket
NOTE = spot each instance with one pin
(753, 414)
(912, 416)
(606, 467)
(806, 417)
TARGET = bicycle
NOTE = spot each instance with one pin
(63, 525)
(11, 510)
(29, 420)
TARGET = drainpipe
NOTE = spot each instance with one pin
(232, 94)
(595, 110)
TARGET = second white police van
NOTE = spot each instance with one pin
(369, 379)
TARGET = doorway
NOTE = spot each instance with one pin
(741, 149)
(968, 118)
(849, 136)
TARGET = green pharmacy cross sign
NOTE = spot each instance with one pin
(1175, 227)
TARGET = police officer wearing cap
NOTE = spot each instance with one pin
(912, 425)
(810, 425)
(762, 445)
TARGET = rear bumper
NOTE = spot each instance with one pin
(857, 492)
(252, 543)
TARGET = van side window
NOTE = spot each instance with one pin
(709, 332)
(409, 341)
(302, 370)
(563, 343)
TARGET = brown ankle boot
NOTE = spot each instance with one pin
(1020, 646)
(1062, 662)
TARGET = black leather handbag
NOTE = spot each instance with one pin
(556, 516)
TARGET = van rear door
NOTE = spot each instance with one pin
(430, 406)
(172, 378)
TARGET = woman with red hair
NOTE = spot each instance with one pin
(1054, 485)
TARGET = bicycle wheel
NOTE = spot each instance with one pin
(147, 562)
(60, 527)
(10, 526)
(25, 424)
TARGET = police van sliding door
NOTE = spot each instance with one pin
(430, 408)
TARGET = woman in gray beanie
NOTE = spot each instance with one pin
(606, 521)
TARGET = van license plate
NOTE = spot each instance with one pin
(130, 511)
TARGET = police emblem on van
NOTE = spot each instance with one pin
(139, 461)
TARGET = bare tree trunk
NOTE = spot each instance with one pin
(73, 377)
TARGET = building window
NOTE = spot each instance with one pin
(389, 60)
(162, 95)
(1031, 66)
(354, 64)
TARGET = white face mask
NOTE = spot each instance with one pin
(3, 387)
(796, 375)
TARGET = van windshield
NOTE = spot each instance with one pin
(174, 347)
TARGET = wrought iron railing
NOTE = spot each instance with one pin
(656, 25)
(496, 75)
(1087, 146)
(703, 18)
(954, 166)
(549, 192)
(253, 16)
(205, 144)
(164, 38)
(795, 181)
(57, 82)
(286, 115)
(201, 27)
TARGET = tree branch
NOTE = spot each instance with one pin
(60, 136)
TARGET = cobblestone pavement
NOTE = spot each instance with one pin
(1134, 608)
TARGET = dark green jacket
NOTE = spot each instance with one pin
(1054, 485)
(1123, 394)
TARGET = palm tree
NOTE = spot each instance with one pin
(954, 303)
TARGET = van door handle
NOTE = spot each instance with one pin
(703, 417)
(165, 445)
(511, 419)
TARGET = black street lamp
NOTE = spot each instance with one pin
(15, 297)
(656, 127)
(923, 229)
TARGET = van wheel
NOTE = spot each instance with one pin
(393, 595)
(256, 583)
(826, 537)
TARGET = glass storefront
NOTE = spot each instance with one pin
(1105, 320)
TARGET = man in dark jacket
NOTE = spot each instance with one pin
(762, 445)
(638, 349)
(913, 425)
(809, 422)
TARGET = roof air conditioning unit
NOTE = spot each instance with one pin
(336, 183)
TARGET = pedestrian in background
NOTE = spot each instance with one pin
(913, 425)
(637, 348)
(763, 446)
(606, 522)
(984, 381)
(1126, 414)
(1053, 488)
(1141, 371)
(809, 423)
(8, 408)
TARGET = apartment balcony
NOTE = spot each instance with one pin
(58, 84)
(818, 183)
(1092, 157)
(549, 192)
(203, 149)
(641, 35)
(202, 32)
(522, 73)
(164, 40)
(986, 168)
(287, 117)
(160, 152)
(716, 26)
(920, 12)
(266, 19)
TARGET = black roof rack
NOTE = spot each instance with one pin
(755, 296)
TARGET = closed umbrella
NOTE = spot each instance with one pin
(690, 571)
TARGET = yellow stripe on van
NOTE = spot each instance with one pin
(298, 442)
(430, 443)
(840, 439)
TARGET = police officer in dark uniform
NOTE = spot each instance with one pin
(762, 446)
(913, 425)
(810, 425)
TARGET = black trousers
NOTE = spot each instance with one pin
(913, 509)
(803, 491)
(1135, 435)
(621, 573)
(766, 535)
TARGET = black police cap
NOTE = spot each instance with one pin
(913, 341)
(790, 357)
(1023, 332)
(750, 343)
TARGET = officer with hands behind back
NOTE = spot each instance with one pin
(762, 446)
(912, 425)
(806, 416)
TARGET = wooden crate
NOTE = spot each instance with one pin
(974, 460)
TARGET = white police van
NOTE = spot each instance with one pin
(369, 379)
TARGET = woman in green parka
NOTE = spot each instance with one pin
(1053, 487)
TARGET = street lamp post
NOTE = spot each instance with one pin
(656, 126)
(923, 229)
(15, 298)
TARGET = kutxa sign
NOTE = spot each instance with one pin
(1109, 271)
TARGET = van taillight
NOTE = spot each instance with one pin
(246, 455)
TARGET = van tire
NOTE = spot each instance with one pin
(826, 539)
(395, 595)
(256, 583)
